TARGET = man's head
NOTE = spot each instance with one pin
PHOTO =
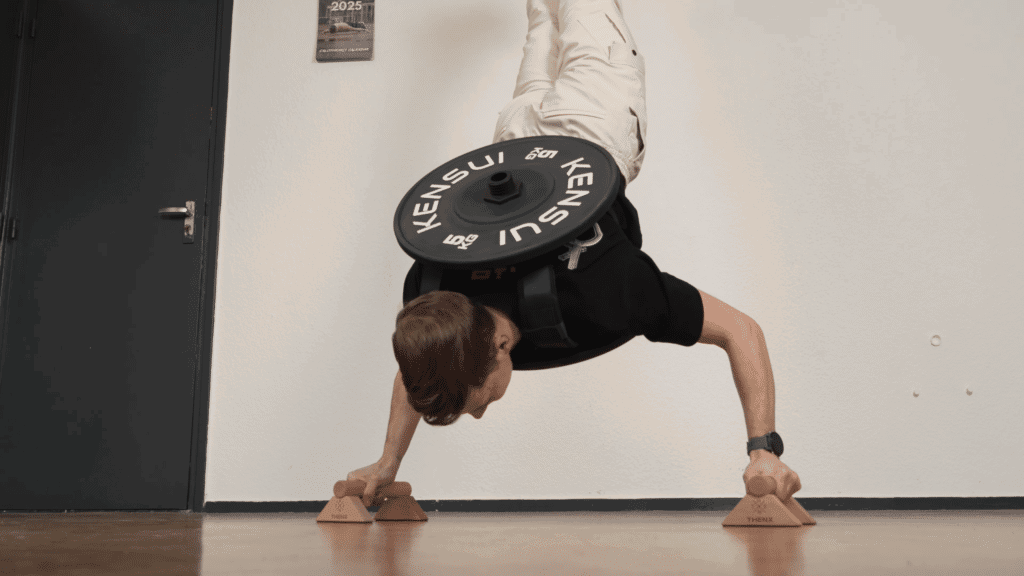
(454, 355)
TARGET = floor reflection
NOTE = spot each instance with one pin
(982, 543)
(773, 551)
(383, 548)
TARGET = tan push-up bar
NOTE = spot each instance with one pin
(395, 501)
(344, 488)
(761, 507)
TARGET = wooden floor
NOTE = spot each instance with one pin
(591, 543)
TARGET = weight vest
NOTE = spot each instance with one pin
(510, 203)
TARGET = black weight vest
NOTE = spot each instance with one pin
(540, 316)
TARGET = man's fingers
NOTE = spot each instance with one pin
(370, 492)
(792, 487)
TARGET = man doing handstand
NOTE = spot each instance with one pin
(582, 76)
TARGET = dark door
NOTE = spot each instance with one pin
(99, 366)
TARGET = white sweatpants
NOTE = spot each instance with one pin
(582, 75)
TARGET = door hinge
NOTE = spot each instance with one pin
(13, 228)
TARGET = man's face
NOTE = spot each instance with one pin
(493, 389)
(505, 338)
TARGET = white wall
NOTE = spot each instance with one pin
(849, 174)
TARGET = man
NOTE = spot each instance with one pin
(583, 76)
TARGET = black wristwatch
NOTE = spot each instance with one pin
(770, 441)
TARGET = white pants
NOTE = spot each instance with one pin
(582, 75)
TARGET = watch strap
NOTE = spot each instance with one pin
(766, 443)
(759, 443)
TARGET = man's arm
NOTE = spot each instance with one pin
(401, 426)
(752, 373)
(743, 341)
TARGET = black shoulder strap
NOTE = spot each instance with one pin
(430, 277)
(631, 227)
(539, 311)
(540, 315)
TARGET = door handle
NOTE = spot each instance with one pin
(188, 213)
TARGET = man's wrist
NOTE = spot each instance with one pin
(760, 452)
(771, 442)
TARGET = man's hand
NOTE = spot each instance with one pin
(765, 463)
(376, 476)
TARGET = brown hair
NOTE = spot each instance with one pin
(444, 344)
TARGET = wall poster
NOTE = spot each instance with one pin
(345, 31)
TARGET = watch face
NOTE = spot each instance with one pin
(776, 442)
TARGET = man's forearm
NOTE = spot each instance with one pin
(752, 372)
(401, 425)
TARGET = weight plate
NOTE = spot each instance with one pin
(507, 202)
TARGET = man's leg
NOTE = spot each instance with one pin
(537, 72)
(594, 40)
(600, 92)
(596, 89)
(539, 67)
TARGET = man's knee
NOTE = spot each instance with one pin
(725, 325)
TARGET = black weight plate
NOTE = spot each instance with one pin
(563, 185)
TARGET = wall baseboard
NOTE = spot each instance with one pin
(645, 505)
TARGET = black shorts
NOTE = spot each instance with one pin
(618, 287)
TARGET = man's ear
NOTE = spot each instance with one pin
(505, 343)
